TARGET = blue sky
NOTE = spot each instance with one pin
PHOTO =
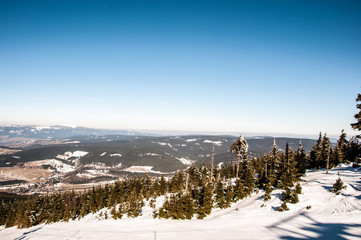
(210, 66)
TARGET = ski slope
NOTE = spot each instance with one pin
(330, 217)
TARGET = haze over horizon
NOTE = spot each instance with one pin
(189, 66)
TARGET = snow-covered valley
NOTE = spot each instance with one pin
(319, 214)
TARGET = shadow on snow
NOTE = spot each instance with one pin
(314, 229)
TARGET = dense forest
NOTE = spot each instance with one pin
(193, 192)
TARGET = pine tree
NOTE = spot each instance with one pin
(239, 191)
(342, 146)
(274, 163)
(325, 151)
(188, 204)
(336, 157)
(353, 150)
(286, 195)
(240, 148)
(268, 190)
(357, 124)
(298, 188)
(92, 200)
(229, 196)
(162, 186)
(220, 195)
(247, 177)
(315, 153)
(283, 207)
(301, 159)
(205, 202)
(338, 186)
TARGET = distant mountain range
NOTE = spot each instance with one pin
(58, 132)
(165, 153)
(83, 155)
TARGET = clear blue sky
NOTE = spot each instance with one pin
(222, 66)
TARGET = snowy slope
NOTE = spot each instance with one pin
(330, 217)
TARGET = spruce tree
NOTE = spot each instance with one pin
(357, 124)
(268, 190)
(188, 206)
(274, 163)
(220, 195)
(248, 177)
(315, 155)
(229, 196)
(298, 188)
(239, 191)
(240, 148)
(342, 146)
(338, 186)
(325, 150)
(204, 201)
(301, 159)
(353, 150)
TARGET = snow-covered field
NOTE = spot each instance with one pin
(143, 169)
(76, 154)
(217, 143)
(330, 217)
(185, 161)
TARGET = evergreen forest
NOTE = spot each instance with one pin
(190, 193)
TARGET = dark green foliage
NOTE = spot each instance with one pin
(204, 201)
(177, 207)
(239, 191)
(268, 190)
(338, 186)
(220, 200)
(298, 188)
(357, 124)
(301, 160)
(283, 207)
(315, 154)
(229, 196)
(353, 150)
(289, 196)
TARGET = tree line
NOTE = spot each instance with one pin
(193, 192)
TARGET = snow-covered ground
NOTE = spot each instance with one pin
(185, 161)
(217, 143)
(330, 217)
(143, 169)
(76, 154)
(60, 166)
(115, 155)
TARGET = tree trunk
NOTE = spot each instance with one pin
(238, 160)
